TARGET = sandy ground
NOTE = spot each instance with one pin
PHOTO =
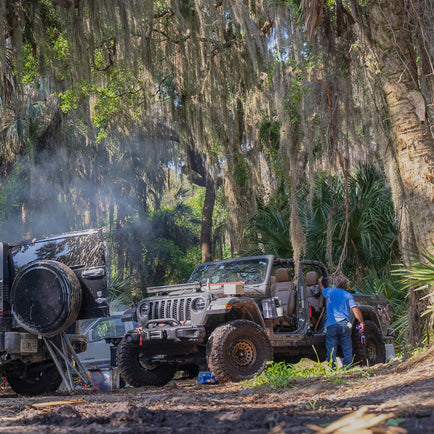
(401, 394)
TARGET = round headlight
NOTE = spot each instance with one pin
(198, 304)
(143, 309)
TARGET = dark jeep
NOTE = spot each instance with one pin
(45, 286)
(235, 315)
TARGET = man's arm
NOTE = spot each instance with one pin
(358, 314)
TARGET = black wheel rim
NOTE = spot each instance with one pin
(144, 362)
(243, 354)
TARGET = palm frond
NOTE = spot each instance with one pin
(420, 277)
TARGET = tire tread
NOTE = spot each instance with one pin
(217, 358)
(135, 374)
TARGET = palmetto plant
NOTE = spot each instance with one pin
(269, 232)
(420, 277)
(371, 236)
(121, 291)
(371, 232)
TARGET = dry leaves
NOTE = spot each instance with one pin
(361, 422)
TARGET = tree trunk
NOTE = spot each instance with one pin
(120, 245)
(410, 153)
(206, 228)
(421, 14)
(198, 170)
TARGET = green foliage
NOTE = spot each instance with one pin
(13, 193)
(122, 291)
(163, 242)
(174, 224)
(420, 277)
(297, 89)
(30, 73)
(270, 227)
(387, 283)
(269, 136)
(3, 383)
(395, 421)
(194, 200)
(120, 98)
(167, 262)
(51, 47)
(281, 374)
(395, 285)
(241, 171)
(71, 97)
(372, 233)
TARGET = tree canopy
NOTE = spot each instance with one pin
(106, 105)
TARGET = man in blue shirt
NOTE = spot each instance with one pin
(339, 304)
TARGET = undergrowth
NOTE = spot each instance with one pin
(281, 374)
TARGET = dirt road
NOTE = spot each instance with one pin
(404, 393)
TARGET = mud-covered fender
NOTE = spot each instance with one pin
(369, 313)
(237, 308)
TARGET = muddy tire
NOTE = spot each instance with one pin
(373, 351)
(136, 371)
(238, 350)
(46, 297)
(35, 380)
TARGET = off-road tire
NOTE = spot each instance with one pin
(35, 380)
(238, 350)
(134, 371)
(373, 350)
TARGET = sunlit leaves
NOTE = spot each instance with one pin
(419, 276)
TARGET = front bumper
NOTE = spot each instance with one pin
(167, 334)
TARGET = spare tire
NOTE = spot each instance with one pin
(45, 297)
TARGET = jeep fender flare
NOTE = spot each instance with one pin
(245, 308)
(369, 313)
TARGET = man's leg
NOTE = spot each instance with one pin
(332, 336)
(346, 345)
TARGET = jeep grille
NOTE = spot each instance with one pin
(177, 308)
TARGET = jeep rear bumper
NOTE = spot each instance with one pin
(25, 348)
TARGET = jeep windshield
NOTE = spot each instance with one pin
(250, 271)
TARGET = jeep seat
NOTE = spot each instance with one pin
(315, 298)
(283, 289)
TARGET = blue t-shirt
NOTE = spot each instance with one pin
(339, 303)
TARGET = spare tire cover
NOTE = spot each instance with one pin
(46, 297)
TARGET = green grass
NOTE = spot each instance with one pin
(282, 375)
